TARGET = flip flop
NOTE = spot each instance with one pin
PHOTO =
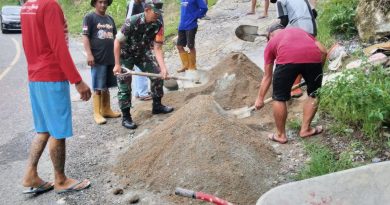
(250, 13)
(317, 130)
(40, 189)
(73, 187)
(273, 138)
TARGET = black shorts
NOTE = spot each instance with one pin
(187, 38)
(285, 75)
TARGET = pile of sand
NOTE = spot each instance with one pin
(196, 148)
(234, 83)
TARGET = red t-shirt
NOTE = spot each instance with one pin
(45, 42)
(292, 46)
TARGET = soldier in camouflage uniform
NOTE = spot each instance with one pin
(133, 46)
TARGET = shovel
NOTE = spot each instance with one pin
(130, 72)
(248, 33)
(245, 112)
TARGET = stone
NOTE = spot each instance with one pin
(117, 191)
(134, 199)
(373, 19)
(376, 160)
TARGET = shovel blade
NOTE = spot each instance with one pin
(247, 32)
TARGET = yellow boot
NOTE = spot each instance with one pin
(99, 119)
(184, 61)
(192, 61)
(106, 110)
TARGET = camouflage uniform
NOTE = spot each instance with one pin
(137, 50)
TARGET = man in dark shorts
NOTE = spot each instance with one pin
(99, 32)
(191, 11)
(296, 52)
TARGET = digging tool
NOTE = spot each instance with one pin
(246, 112)
(248, 33)
(130, 72)
(201, 196)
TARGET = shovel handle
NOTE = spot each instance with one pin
(268, 100)
(130, 72)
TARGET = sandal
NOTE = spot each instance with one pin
(272, 137)
(317, 130)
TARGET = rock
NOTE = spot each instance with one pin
(134, 199)
(376, 160)
(373, 19)
(117, 191)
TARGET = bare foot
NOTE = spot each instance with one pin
(313, 131)
(72, 185)
(281, 139)
(32, 181)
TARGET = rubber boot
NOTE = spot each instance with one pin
(192, 61)
(106, 110)
(99, 119)
(297, 92)
(127, 121)
(160, 108)
(184, 61)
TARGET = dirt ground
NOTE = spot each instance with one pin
(197, 147)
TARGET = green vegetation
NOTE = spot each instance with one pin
(323, 161)
(336, 17)
(8, 2)
(75, 11)
(359, 99)
(294, 124)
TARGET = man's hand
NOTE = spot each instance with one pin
(164, 74)
(90, 60)
(259, 104)
(117, 69)
(83, 90)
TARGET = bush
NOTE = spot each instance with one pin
(338, 16)
(359, 100)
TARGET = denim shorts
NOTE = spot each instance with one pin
(103, 77)
(51, 108)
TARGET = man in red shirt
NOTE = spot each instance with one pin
(295, 52)
(50, 70)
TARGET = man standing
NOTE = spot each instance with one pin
(306, 57)
(299, 14)
(133, 46)
(140, 83)
(50, 70)
(98, 37)
(191, 11)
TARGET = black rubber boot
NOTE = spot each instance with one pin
(160, 108)
(126, 119)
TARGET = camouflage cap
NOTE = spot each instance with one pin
(156, 5)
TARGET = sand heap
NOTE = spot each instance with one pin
(196, 148)
(233, 83)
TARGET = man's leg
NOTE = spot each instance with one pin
(280, 116)
(265, 12)
(31, 178)
(253, 8)
(57, 150)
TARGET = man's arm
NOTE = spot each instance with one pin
(323, 50)
(157, 47)
(264, 86)
(87, 47)
(117, 55)
(282, 13)
(202, 8)
(54, 26)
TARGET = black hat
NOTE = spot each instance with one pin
(93, 2)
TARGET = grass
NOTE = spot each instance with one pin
(8, 2)
(323, 161)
